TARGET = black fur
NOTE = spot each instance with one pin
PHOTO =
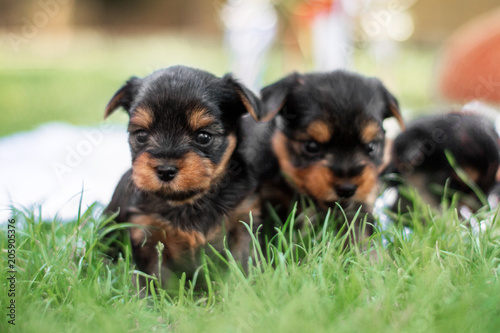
(420, 152)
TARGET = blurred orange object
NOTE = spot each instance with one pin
(470, 63)
(307, 10)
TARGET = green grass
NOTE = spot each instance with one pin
(441, 279)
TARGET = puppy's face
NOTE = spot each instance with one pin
(329, 139)
(183, 125)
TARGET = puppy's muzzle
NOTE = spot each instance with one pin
(342, 171)
(346, 190)
(166, 172)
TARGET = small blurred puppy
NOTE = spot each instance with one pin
(419, 156)
(321, 136)
(189, 185)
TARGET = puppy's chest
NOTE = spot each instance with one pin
(198, 217)
(181, 233)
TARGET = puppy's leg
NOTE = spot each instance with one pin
(239, 237)
(179, 249)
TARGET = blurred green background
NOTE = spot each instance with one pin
(76, 85)
(67, 68)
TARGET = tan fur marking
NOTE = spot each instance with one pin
(387, 156)
(278, 142)
(194, 172)
(315, 180)
(248, 106)
(178, 243)
(367, 184)
(144, 173)
(142, 118)
(395, 112)
(318, 180)
(319, 131)
(272, 113)
(137, 236)
(199, 118)
(370, 132)
(473, 173)
(222, 166)
(113, 104)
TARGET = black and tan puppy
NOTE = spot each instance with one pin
(326, 140)
(189, 185)
(471, 140)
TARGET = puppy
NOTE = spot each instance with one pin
(189, 184)
(321, 136)
(419, 156)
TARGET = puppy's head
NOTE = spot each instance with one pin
(329, 139)
(420, 154)
(183, 129)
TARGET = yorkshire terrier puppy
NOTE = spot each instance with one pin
(419, 157)
(189, 184)
(322, 136)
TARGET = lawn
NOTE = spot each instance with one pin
(442, 278)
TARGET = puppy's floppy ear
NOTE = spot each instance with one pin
(274, 95)
(246, 97)
(392, 107)
(124, 96)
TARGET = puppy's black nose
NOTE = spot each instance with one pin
(345, 190)
(348, 171)
(166, 172)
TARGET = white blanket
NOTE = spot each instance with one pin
(55, 164)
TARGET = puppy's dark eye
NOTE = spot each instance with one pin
(371, 149)
(203, 138)
(141, 137)
(311, 147)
